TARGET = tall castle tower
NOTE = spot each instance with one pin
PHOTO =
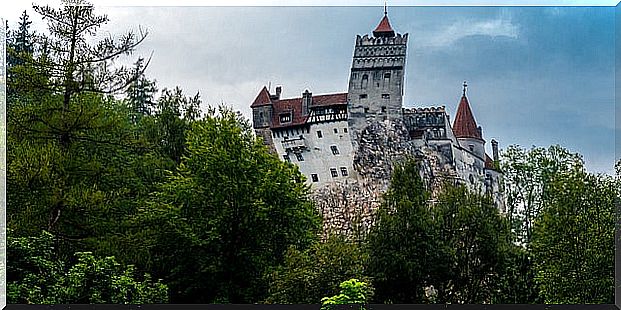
(376, 81)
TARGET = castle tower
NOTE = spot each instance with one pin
(465, 128)
(376, 81)
(262, 109)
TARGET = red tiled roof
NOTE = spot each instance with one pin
(465, 126)
(384, 28)
(263, 98)
(294, 106)
(330, 99)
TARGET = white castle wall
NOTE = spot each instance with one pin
(317, 155)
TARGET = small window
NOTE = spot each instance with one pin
(319, 135)
(345, 130)
(336, 130)
(383, 109)
(333, 172)
(299, 156)
(334, 149)
(363, 96)
(364, 82)
(314, 177)
(344, 171)
(286, 157)
(471, 146)
(386, 75)
(366, 110)
(385, 96)
(285, 118)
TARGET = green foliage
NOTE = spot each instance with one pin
(403, 248)
(573, 241)
(527, 174)
(455, 250)
(308, 275)
(226, 216)
(36, 276)
(166, 129)
(353, 292)
(477, 241)
(140, 93)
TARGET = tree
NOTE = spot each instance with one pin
(404, 250)
(226, 216)
(573, 240)
(72, 148)
(77, 66)
(36, 276)
(478, 241)
(307, 276)
(527, 174)
(166, 129)
(140, 93)
(353, 292)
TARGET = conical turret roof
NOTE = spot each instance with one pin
(384, 29)
(465, 126)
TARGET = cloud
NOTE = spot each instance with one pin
(446, 36)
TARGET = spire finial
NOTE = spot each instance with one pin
(465, 86)
(385, 8)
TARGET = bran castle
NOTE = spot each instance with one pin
(345, 143)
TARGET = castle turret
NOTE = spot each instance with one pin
(262, 109)
(465, 128)
(376, 82)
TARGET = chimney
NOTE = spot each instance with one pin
(278, 91)
(495, 149)
(307, 101)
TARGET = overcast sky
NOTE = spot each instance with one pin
(536, 75)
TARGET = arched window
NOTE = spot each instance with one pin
(365, 81)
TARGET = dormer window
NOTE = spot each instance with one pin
(285, 118)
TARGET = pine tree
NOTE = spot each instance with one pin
(140, 93)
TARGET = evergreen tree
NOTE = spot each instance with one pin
(140, 93)
(72, 154)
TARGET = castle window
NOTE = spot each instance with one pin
(363, 96)
(336, 130)
(299, 156)
(383, 109)
(366, 110)
(471, 179)
(333, 172)
(334, 149)
(386, 79)
(285, 118)
(471, 146)
(286, 157)
(344, 171)
(365, 81)
(345, 130)
(319, 135)
(314, 178)
(385, 96)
